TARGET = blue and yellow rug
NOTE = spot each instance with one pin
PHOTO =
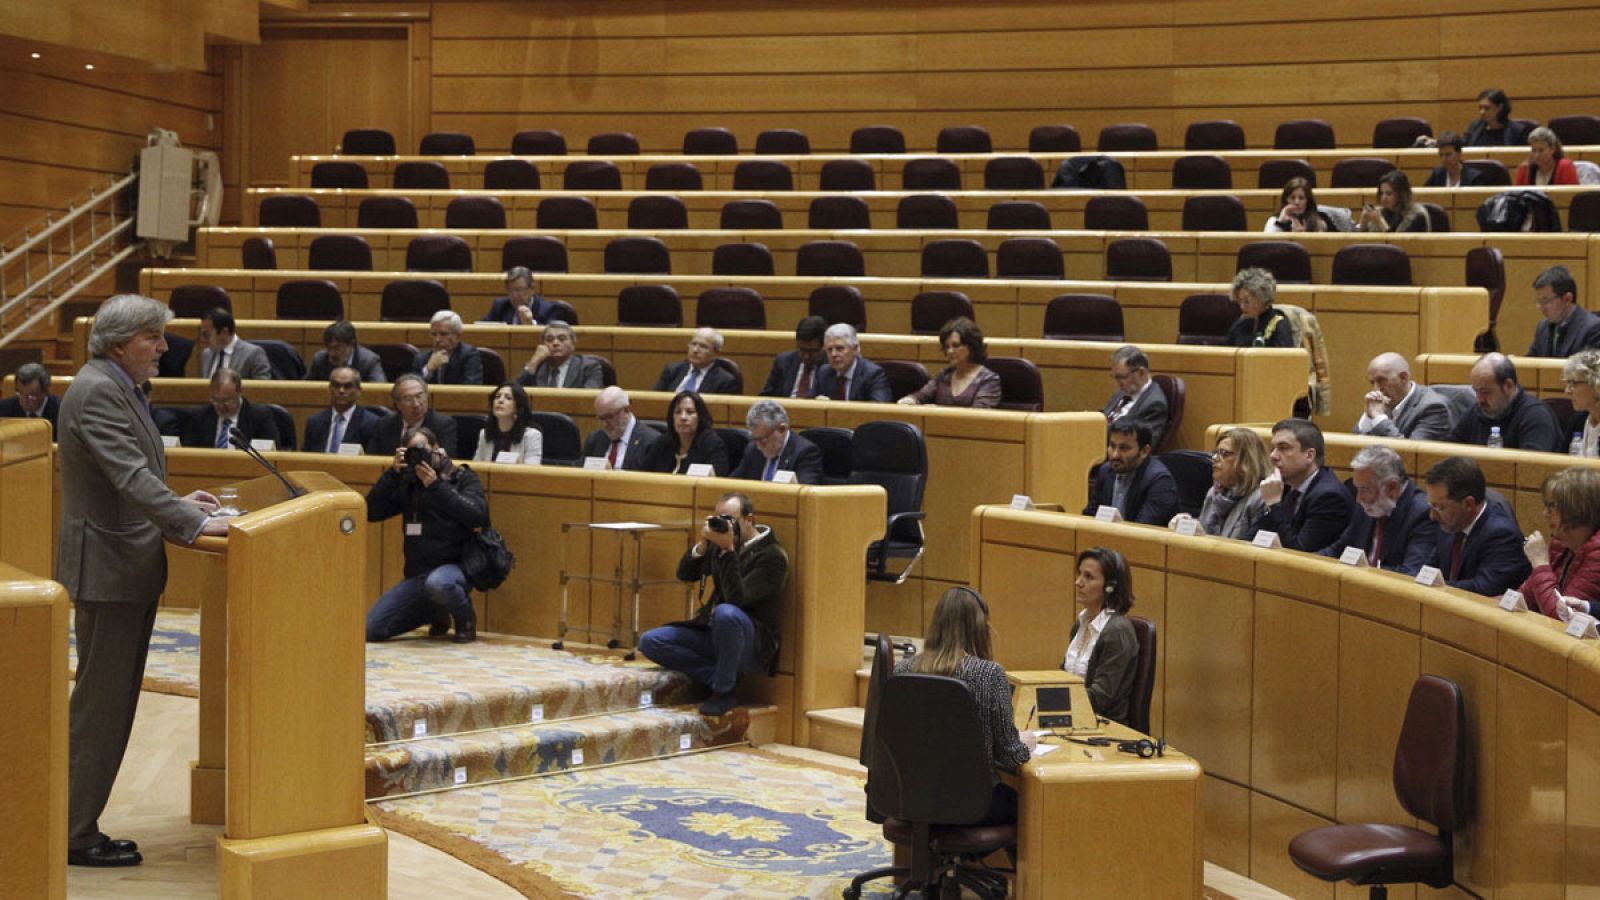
(173, 666)
(733, 823)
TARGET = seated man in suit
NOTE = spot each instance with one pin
(773, 448)
(344, 422)
(409, 394)
(1565, 327)
(1399, 407)
(1306, 504)
(33, 399)
(1392, 527)
(1523, 421)
(699, 371)
(339, 348)
(209, 426)
(1137, 398)
(849, 375)
(1450, 172)
(1480, 545)
(735, 631)
(520, 305)
(623, 441)
(452, 360)
(556, 364)
(1139, 487)
(793, 371)
(223, 349)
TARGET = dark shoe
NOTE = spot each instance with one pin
(104, 855)
(466, 629)
(719, 704)
(125, 845)
(440, 625)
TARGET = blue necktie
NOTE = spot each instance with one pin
(772, 468)
(338, 434)
(692, 383)
(222, 434)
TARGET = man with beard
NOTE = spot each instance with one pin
(1139, 487)
(1392, 527)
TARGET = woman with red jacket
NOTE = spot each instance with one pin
(1546, 164)
(1566, 570)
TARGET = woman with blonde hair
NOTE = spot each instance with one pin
(958, 646)
(1582, 376)
(1547, 162)
(1233, 505)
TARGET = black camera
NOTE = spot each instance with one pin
(723, 525)
(416, 455)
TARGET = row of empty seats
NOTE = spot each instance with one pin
(1002, 173)
(1218, 134)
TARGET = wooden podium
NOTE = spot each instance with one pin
(282, 696)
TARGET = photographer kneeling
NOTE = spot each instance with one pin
(737, 629)
(442, 505)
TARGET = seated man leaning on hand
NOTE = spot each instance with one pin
(1306, 505)
(1399, 407)
(736, 630)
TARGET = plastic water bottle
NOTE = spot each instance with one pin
(1576, 447)
(1495, 440)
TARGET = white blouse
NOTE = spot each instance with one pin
(1082, 644)
(529, 454)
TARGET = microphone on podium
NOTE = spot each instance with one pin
(237, 439)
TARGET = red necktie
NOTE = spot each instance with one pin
(838, 387)
(1455, 555)
(802, 388)
(611, 458)
(1377, 541)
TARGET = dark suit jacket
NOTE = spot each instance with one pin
(1152, 497)
(1469, 177)
(1113, 668)
(708, 448)
(1410, 536)
(1321, 514)
(582, 372)
(356, 431)
(465, 366)
(364, 361)
(785, 369)
(1150, 409)
(1492, 560)
(717, 380)
(11, 408)
(799, 456)
(503, 312)
(385, 436)
(1581, 331)
(871, 382)
(255, 423)
(645, 448)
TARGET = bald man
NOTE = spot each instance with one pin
(1525, 421)
(1399, 407)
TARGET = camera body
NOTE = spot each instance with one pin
(723, 525)
(416, 455)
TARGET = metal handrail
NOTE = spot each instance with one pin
(95, 197)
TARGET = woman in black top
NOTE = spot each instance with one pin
(1493, 127)
(1260, 324)
(693, 439)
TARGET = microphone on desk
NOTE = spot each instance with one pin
(237, 439)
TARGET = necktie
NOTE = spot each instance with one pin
(1377, 541)
(338, 434)
(611, 458)
(692, 383)
(1456, 554)
(1555, 338)
(839, 387)
(222, 434)
(1122, 407)
(772, 467)
(1290, 502)
(802, 388)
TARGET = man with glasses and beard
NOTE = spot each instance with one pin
(1391, 526)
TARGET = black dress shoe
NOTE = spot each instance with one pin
(719, 704)
(125, 845)
(440, 626)
(466, 629)
(104, 855)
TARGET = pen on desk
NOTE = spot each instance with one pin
(1031, 710)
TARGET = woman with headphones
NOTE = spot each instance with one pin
(1103, 648)
(957, 646)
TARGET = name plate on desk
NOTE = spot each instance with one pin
(701, 470)
(263, 445)
(1021, 501)
(1188, 527)
(349, 449)
(1354, 556)
(594, 463)
(507, 456)
(169, 441)
(1267, 540)
(1582, 627)
(1511, 601)
(1107, 513)
(1430, 576)
(783, 476)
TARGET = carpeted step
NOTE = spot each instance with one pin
(837, 731)
(427, 688)
(483, 757)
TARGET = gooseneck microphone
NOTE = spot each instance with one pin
(237, 439)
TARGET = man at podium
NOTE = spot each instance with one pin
(115, 508)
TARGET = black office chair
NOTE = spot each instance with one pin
(893, 456)
(734, 439)
(285, 425)
(931, 775)
(835, 446)
(563, 443)
(1144, 675)
(1191, 471)
(468, 427)
(882, 669)
(284, 360)
(175, 360)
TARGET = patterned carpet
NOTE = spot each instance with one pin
(733, 823)
(173, 666)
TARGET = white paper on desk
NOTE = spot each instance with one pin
(1582, 626)
(169, 441)
(1267, 540)
(701, 470)
(349, 449)
(263, 445)
(1188, 527)
(783, 476)
(1107, 513)
(1354, 556)
(1021, 501)
(1512, 601)
(1044, 749)
(508, 456)
(626, 526)
(1430, 576)
(594, 463)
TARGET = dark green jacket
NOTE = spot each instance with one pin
(1112, 667)
(751, 578)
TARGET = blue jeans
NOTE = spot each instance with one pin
(711, 657)
(412, 603)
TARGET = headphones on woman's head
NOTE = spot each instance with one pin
(1111, 564)
(976, 596)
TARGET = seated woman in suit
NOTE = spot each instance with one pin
(1103, 648)
(693, 438)
(957, 646)
(510, 428)
(1233, 506)
(1396, 211)
(966, 381)
(1259, 323)
(1566, 567)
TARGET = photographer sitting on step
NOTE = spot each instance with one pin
(737, 629)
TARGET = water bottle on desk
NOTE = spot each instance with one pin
(1495, 440)
(1576, 447)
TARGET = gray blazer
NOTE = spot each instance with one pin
(248, 360)
(115, 503)
(1426, 418)
(582, 372)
